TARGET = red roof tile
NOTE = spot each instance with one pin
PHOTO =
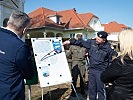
(70, 19)
(86, 17)
(113, 27)
(39, 18)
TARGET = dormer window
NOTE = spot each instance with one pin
(58, 20)
(55, 18)
(95, 21)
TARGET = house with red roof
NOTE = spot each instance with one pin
(113, 28)
(66, 24)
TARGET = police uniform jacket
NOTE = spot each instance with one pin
(15, 66)
(100, 55)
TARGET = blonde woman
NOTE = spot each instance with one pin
(120, 72)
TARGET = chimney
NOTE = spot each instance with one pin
(74, 9)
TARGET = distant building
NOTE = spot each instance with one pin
(66, 24)
(6, 8)
(114, 28)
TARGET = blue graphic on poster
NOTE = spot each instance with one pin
(57, 46)
(45, 70)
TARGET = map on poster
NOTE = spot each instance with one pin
(51, 61)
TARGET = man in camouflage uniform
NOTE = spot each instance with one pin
(77, 55)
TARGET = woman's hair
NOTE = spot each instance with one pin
(126, 43)
(19, 20)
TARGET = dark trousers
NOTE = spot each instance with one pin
(75, 73)
(95, 86)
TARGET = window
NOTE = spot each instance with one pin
(5, 22)
(72, 35)
(95, 21)
(58, 20)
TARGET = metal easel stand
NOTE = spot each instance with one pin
(75, 91)
(29, 91)
(48, 92)
(42, 93)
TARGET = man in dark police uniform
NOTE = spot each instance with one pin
(15, 58)
(100, 54)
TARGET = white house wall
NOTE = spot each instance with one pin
(113, 37)
(95, 24)
(21, 5)
(6, 8)
(53, 18)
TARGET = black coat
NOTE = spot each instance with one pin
(121, 75)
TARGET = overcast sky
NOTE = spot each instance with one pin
(120, 11)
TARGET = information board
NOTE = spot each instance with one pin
(51, 61)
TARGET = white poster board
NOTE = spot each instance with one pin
(51, 61)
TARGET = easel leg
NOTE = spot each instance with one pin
(29, 91)
(75, 91)
(42, 93)
(48, 92)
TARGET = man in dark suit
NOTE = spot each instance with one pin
(15, 58)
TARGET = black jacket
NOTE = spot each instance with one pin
(121, 75)
(15, 66)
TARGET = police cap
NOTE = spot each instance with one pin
(102, 34)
